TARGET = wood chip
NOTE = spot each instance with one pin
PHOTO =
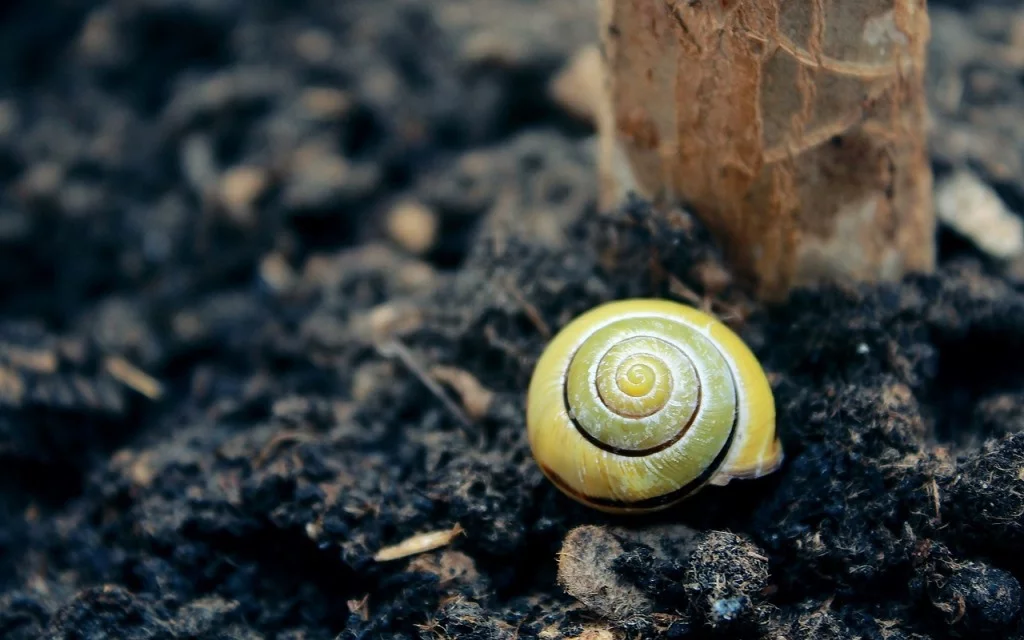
(12, 388)
(141, 471)
(34, 360)
(476, 398)
(326, 102)
(578, 86)
(134, 378)
(419, 543)
(387, 321)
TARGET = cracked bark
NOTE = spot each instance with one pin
(794, 129)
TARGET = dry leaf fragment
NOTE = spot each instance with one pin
(419, 543)
(585, 572)
(476, 398)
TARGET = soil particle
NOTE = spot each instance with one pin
(726, 580)
(984, 500)
(970, 597)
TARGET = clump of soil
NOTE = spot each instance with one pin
(230, 373)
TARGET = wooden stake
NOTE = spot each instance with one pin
(794, 129)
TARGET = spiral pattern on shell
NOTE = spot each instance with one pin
(637, 404)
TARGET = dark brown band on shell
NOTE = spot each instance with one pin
(663, 500)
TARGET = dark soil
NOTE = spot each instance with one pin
(198, 191)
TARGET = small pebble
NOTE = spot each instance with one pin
(413, 226)
(326, 103)
(276, 273)
(415, 276)
(198, 164)
(8, 117)
(97, 40)
(315, 46)
(321, 178)
(493, 47)
(42, 179)
(240, 187)
(973, 209)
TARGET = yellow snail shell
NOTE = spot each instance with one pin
(637, 404)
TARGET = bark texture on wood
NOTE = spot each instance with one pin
(795, 129)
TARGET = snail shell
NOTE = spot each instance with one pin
(637, 404)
